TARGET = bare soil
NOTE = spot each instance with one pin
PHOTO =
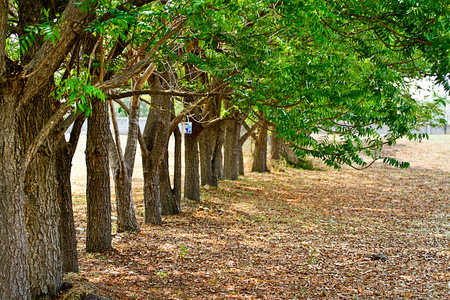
(381, 233)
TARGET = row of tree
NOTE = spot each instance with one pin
(296, 67)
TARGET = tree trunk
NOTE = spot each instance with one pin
(122, 168)
(231, 150)
(14, 278)
(67, 233)
(241, 161)
(156, 139)
(98, 193)
(260, 152)
(275, 146)
(42, 209)
(217, 156)
(169, 205)
(208, 176)
(191, 167)
(177, 168)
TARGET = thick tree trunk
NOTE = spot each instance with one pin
(231, 150)
(14, 278)
(98, 193)
(156, 139)
(260, 152)
(42, 209)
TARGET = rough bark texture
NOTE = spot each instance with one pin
(98, 194)
(41, 182)
(122, 169)
(42, 209)
(231, 150)
(260, 152)
(156, 139)
(67, 233)
(169, 205)
(14, 277)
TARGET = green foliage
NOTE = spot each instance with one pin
(79, 92)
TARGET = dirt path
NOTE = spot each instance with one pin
(382, 233)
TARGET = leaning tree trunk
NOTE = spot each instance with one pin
(260, 152)
(98, 193)
(67, 233)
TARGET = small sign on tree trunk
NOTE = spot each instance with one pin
(187, 127)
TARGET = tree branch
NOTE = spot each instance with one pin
(165, 92)
(49, 57)
(141, 65)
(3, 29)
(42, 135)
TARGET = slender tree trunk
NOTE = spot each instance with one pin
(177, 168)
(67, 233)
(241, 161)
(122, 169)
(231, 150)
(260, 152)
(14, 278)
(98, 193)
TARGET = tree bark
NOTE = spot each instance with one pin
(42, 209)
(217, 156)
(98, 193)
(191, 165)
(231, 150)
(156, 139)
(67, 233)
(14, 278)
(260, 152)
(208, 176)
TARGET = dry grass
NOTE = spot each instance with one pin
(292, 235)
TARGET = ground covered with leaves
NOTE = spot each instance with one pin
(381, 233)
